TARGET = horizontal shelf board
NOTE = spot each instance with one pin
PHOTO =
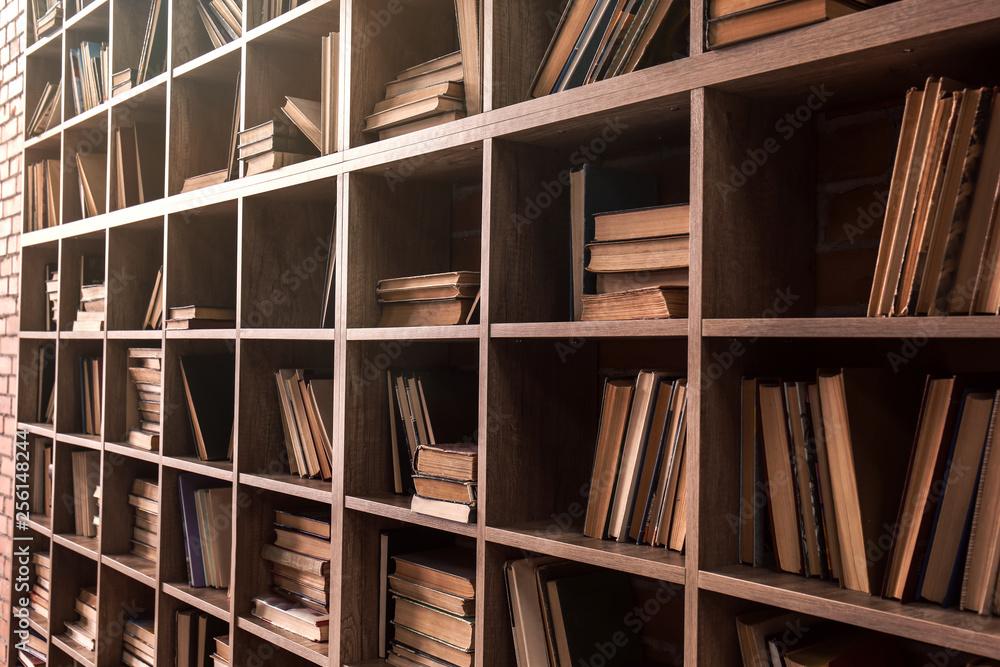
(132, 452)
(44, 140)
(38, 623)
(396, 507)
(85, 546)
(40, 524)
(548, 538)
(214, 65)
(610, 329)
(987, 326)
(924, 622)
(82, 335)
(375, 662)
(133, 566)
(80, 439)
(452, 332)
(51, 41)
(316, 653)
(218, 469)
(201, 334)
(66, 644)
(38, 335)
(310, 20)
(154, 334)
(291, 485)
(214, 601)
(44, 430)
(149, 95)
(89, 119)
(288, 334)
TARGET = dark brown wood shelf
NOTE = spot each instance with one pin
(85, 546)
(396, 507)
(219, 469)
(40, 524)
(314, 652)
(132, 451)
(139, 568)
(291, 485)
(80, 439)
(68, 646)
(456, 332)
(612, 329)
(855, 327)
(212, 601)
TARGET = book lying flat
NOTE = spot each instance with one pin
(639, 304)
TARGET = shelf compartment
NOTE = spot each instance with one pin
(123, 598)
(316, 653)
(81, 256)
(190, 44)
(36, 381)
(134, 567)
(199, 144)
(70, 408)
(397, 507)
(116, 536)
(201, 266)
(91, 25)
(924, 622)
(70, 572)
(551, 539)
(290, 485)
(135, 256)
(129, 22)
(209, 600)
(142, 122)
(285, 266)
(122, 398)
(42, 66)
(93, 15)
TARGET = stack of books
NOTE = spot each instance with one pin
(434, 601)
(52, 294)
(91, 372)
(41, 195)
(139, 643)
(201, 317)
(639, 258)
(33, 650)
(306, 399)
(90, 316)
(86, 491)
(422, 96)
(300, 575)
(46, 114)
(208, 392)
(154, 311)
(83, 630)
(223, 20)
(600, 39)
(197, 634)
(145, 502)
(272, 145)
(40, 477)
(428, 300)
(638, 485)
(940, 247)
(735, 21)
(40, 595)
(48, 16)
(145, 371)
(89, 75)
(122, 81)
(206, 515)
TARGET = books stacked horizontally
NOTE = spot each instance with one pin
(428, 300)
(47, 113)
(139, 643)
(90, 316)
(83, 630)
(122, 81)
(559, 607)
(734, 21)
(198, 634)
(154, 311)
(88, 75)
(40, 595)
(940, 247)
(208, 392)
(223, 20)
(638, 485)
(41, 195)
(145, 502)
(422, 96)
(40, 476)
(434, 605)
(640, 257)
(302, 534)
(48, 16)
(301, 581)
(600, 39)
(306, 400)
(137, 164)
(32, 650)
(52, 294)
(201, 317)
(206, 516)
(145, 371)
(91, 372)
(272, 145)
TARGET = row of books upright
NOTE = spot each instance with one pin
(41, 195)
(940, 247)
(91, 374)
(198, 634)
(638, 485)
(89, 75)
(207, 520)
(830, 455)
(306, 400)
(222, 19)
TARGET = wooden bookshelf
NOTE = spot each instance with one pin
(448, 198)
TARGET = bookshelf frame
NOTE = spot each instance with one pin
(210, 242)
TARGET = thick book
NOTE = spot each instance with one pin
(440, 312)
(648, 303)
(454, 630)
(643, 223)
(413, 111)
(783, 504)
(452, 570)
(777, 17)
(458, 461)
(294, 618)
(443, 509)
(307, 116)
(607, 454)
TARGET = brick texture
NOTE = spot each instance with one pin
(12, 43)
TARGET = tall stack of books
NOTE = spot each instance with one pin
(206, 513)
(222, 656)
(46, 114)
(83, 630)
(640, 257)
(735, 21)
(145, 502)
(940, 247)
(90, 394)
(445, 481)
(300, 575)
(197, 634)
(638, 486)
(90, 316)
(41, 195)
(434, 600)
(40, 595)
(201, 317)
(32, 650)
(52, 294)
(428, 300)
(139, 643)
(89, 75)
(306, 399)
(422, 96)
(272, 145)
(48, 16)
(145, 371)
(223, 20)
(86, 508)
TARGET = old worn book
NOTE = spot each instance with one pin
(271, 160)
(271, 129)
(432, 293)
(423, 124)
(433, 65)
(443, 509)
(648, 303)
(287, 615)
(643, 223)
(778, 17)
(429, 280)
(983, 556)
(639, 255)
(408, 642)
(296, 144)
(317, 524)
(440, 488)
(454, 630)
(91, 169)
(438, 312)
(571, 26)
(451, 570)
(454, 73)
(144, 439)
(607, 455)
(412, 111)
(202, 312)
(291, 559)
(210, 179)
(452, 89)
(303, 543)
(783, 504)
(307, 116)
(452, 604)
(974, 264)
(457, 461)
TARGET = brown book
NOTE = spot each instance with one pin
(307, 564)
(643, 223)
(442, 312)
(439, 488)
(632, 280)
(297, 619)
(79, 635)
(983, 557)
(648, 303)
(318, 525)
(299, 588)
(671, 470)
(93, 182)
(808, 514)
(453, 461)
(416, 641)
(433, 65)
(316, 581)
(423, 124)
(655, 440)
(144, 550)
(271, 128)
(669, 252)
(610, 438)
(270, 160)
(428, 293)
(413, 111)
(771, 19)
(222, 647)
(297, 144)
(202, 313)
(302, 543)
(443, 509)
(454, 630)
(400, 86)
(451, 570)
(429, 280)
(144, 504)
(307, 116)
(781, 482)
(452, 604)
(570, 27)
(210, 179)
(451, 89)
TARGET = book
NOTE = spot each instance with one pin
(638, 255)
(636, 304)
(209, 179)
(452, 461)
(86, 475)
(433, 280)
(607, 455)
(642, 223)
(411, 642)
(202, 312)
(438, 312)
(469, 32)
(422, 124)
(189, 485)
(443, 509)
(453, 73)
(307, 116)
(270, 160)
(412, 111)
(450, 570)
(454, 630)
(983, 556)
(773, 18)
(291, 617)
